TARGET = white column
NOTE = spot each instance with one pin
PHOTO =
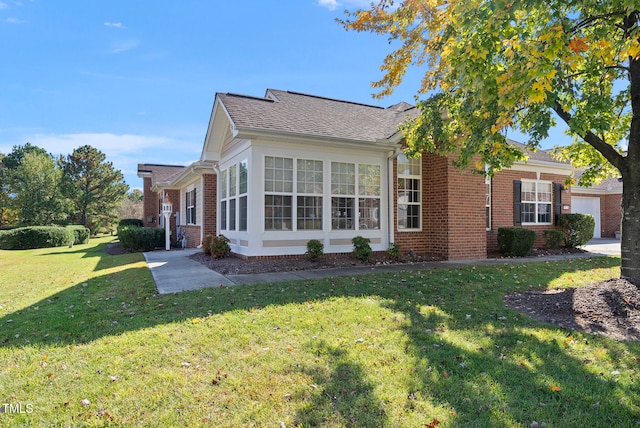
(167, 208)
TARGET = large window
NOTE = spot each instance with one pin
(309, 194)
(343, 195)
(278, 187)
(233, 197)
(409, 192)
(536, 199)
(190, 205)
(369, 196)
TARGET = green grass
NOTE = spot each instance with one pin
(391, 350)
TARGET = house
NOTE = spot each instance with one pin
(603, 202)
(280, 170)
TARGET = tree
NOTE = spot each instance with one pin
(93, 185)
(34, 189)
(492, 66)
(131, 206)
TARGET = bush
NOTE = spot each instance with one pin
(220, 247)
(577, 228)
(394, 251)
(553, 238)
(361, 248)
(130, 222)
(26, 238)
(515, 241)
(315, 250)
(80, 233)
(135, 238)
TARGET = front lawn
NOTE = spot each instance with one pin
(86, 341)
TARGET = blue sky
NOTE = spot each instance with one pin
(137, 79)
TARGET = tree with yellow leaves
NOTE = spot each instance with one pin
(495, 65)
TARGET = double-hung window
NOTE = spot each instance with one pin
(223, 199)
(343, 195)
(309, 194)
(278, 188)
(190, 205)
(536, 199)
(369, 196)
(233, 197)
(409, 192)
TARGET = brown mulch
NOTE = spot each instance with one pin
(610, 308)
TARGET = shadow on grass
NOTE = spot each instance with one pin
(509, 377)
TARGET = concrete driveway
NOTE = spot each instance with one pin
(606, 246)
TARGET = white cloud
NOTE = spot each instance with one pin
(124, 46)
(3, 5)
(329, 4)
(115, 25)
(13, 20)
(334, 4)
(111, 144)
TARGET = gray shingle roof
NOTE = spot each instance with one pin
(539, 155)
(298, 113)
(160, 173)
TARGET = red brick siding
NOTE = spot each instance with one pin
(150, 204)
(502, 203)
(210, 203)
(610, 213)
(192, 233)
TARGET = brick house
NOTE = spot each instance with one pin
(279, 170)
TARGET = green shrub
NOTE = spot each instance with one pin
(553, 238)
(361, 248)
(515, 241)
(206, 244)
(130, 222)
(315, 250)
(80, 233)
(394, 251)
(25, 238)
(577, 228)
(135, 238)
(220, 247)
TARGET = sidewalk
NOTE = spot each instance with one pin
(174, 271)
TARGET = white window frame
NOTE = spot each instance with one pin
(536, 202)
(191, 206)
(487, 201)
(407, 175)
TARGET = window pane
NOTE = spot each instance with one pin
(223, 215)
(342, 213)
(232, 214)
(528, 213)
(243, 177)
(544, 192)
(544, 213)
(369, 213)
(223, 185)
(309, 213)
(243, 213)
(369, 180)
(278, 174)
(277, 212)
(232, 180)
(528, 191)
(309, 176)
(343, 180)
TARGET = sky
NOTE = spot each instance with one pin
(137, 79)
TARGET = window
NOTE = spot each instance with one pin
(369, 196)
(190, 205)
(278, 187)
(309, 191)
(233, 197)
(409, 192)
(487, 203)
(343, 190)
(536, 198)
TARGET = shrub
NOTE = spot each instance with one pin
(26, 238)
(361, 248)
(553, 238)
(80, 233)
(130, 222)
(515, 241)
(315, 250)
(206, 244)
(135, 238)
(577, 228)
(394, 251)
(220, 247)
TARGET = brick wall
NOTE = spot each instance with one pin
(150, 204)
(210, 203)
(502, 203)
(192, 233)
(610, 213)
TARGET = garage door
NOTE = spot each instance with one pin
(587, 205)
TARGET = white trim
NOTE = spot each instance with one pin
(536, 202)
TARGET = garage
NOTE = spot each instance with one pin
(587, 205)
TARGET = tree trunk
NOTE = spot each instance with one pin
(630, 241)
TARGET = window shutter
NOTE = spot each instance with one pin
(557, 202)
(194, 206)
(517, 203)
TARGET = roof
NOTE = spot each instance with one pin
(159, 173)
(304, 114)
(608, 185)
(538, 155)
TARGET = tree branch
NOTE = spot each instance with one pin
(585, 22)
(596, 142)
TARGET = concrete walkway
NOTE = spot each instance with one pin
(174, 271)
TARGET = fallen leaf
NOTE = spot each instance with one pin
(85, 402)
(555, 388)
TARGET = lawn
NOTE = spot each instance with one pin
(86, 341)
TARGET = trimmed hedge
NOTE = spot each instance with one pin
(578, 228)
(135, 238)
(553, 238)
(130, 222)
(27, 238)
(515, 241)
(80, 233)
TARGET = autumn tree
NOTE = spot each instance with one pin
(131, 205)
(493, 66)
(94, 187)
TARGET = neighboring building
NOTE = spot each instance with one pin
(280, 170)
(604, 203)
